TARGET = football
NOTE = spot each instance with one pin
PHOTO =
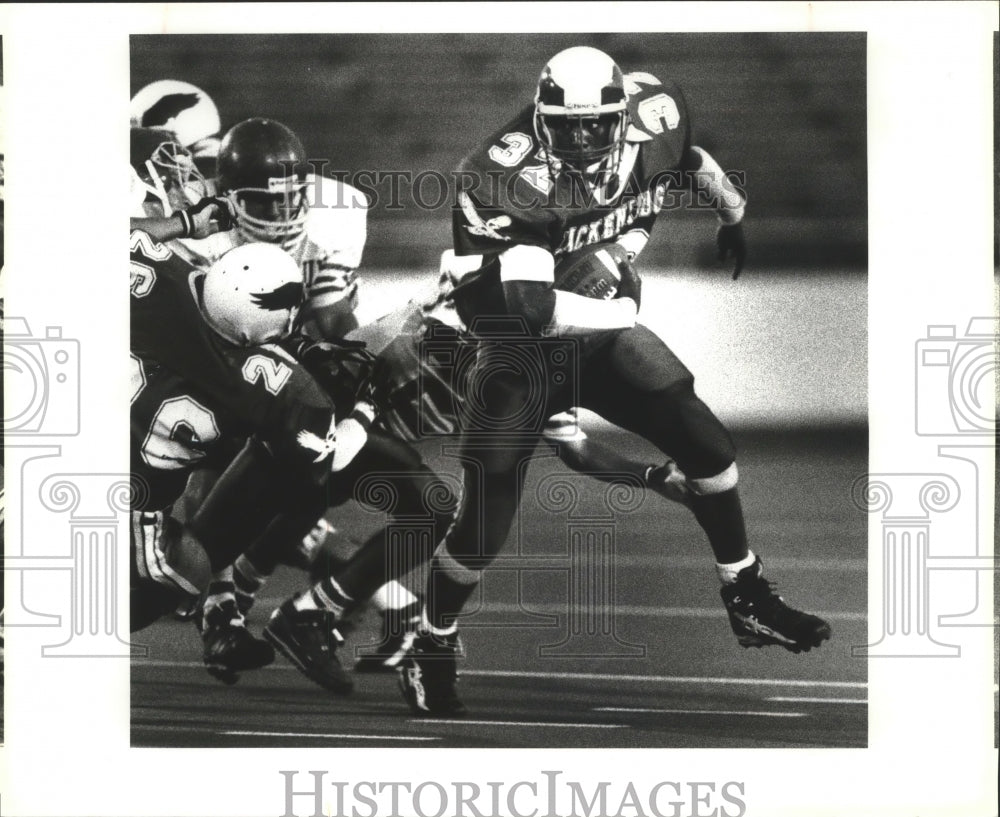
(593, 271)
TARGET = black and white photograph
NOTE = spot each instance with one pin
(575, 384)
(549, 538)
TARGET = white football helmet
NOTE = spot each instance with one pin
(252, 294)
(581, 116)
(182, 108)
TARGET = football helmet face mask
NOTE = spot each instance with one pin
(581, 116)
(262, 169)
(165, 169)
(182, 108)
(252, 294)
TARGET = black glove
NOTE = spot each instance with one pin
(194, 218)
(341, 367)
(730, 239)
(631, 283)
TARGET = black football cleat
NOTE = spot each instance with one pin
(228, 647)
(309, 639)
(429, 673)
(759, 616)
(399, 628)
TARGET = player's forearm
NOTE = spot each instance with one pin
(575, 315)
(160, 228)
(711, 184)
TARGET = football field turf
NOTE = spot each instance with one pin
(648, 662)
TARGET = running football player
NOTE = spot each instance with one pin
(592, 160)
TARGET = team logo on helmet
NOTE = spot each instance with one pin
(287, 296)
(252, 294)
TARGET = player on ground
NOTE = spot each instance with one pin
(592, 160)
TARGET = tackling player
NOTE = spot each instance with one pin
(206, 373)
(592, 160)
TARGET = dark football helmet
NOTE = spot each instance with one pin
(165, 170)
(262, 169)
(580, 114)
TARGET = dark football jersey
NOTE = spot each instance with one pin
(508, 195)
(193, 392)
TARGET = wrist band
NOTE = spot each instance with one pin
(187, 226)
(362, 417)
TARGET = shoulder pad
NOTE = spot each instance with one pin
(655, 108)
(337, 222)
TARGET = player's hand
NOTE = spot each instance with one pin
(669, 481)
(730, 239)
(209, 216)
(631, 283)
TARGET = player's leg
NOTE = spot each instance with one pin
(167, 565)
(388, 473)
(639, 384)
(491, 494)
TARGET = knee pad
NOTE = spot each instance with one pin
(717, 484)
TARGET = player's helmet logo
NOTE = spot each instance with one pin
(182, 108)
(580, 114)
(165, 170)
(252, 294)
(262, 168)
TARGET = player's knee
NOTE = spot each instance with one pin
(721, 482)
(695, 437)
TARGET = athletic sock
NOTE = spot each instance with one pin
(392, 596)
(729, 572)
(721, 517)
(450, 586)
(324, 595)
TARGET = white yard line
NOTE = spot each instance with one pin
(465, 722)
(641, 710)
(577, 676)
(634, 610)
(337, 735)
(793, 699)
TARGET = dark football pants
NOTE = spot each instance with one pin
(255, 496)
(634, 381)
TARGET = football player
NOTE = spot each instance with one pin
(184, 109)
(592, 160)
(206, 374)
(264, 175)
(263, 170)
(169, 195)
